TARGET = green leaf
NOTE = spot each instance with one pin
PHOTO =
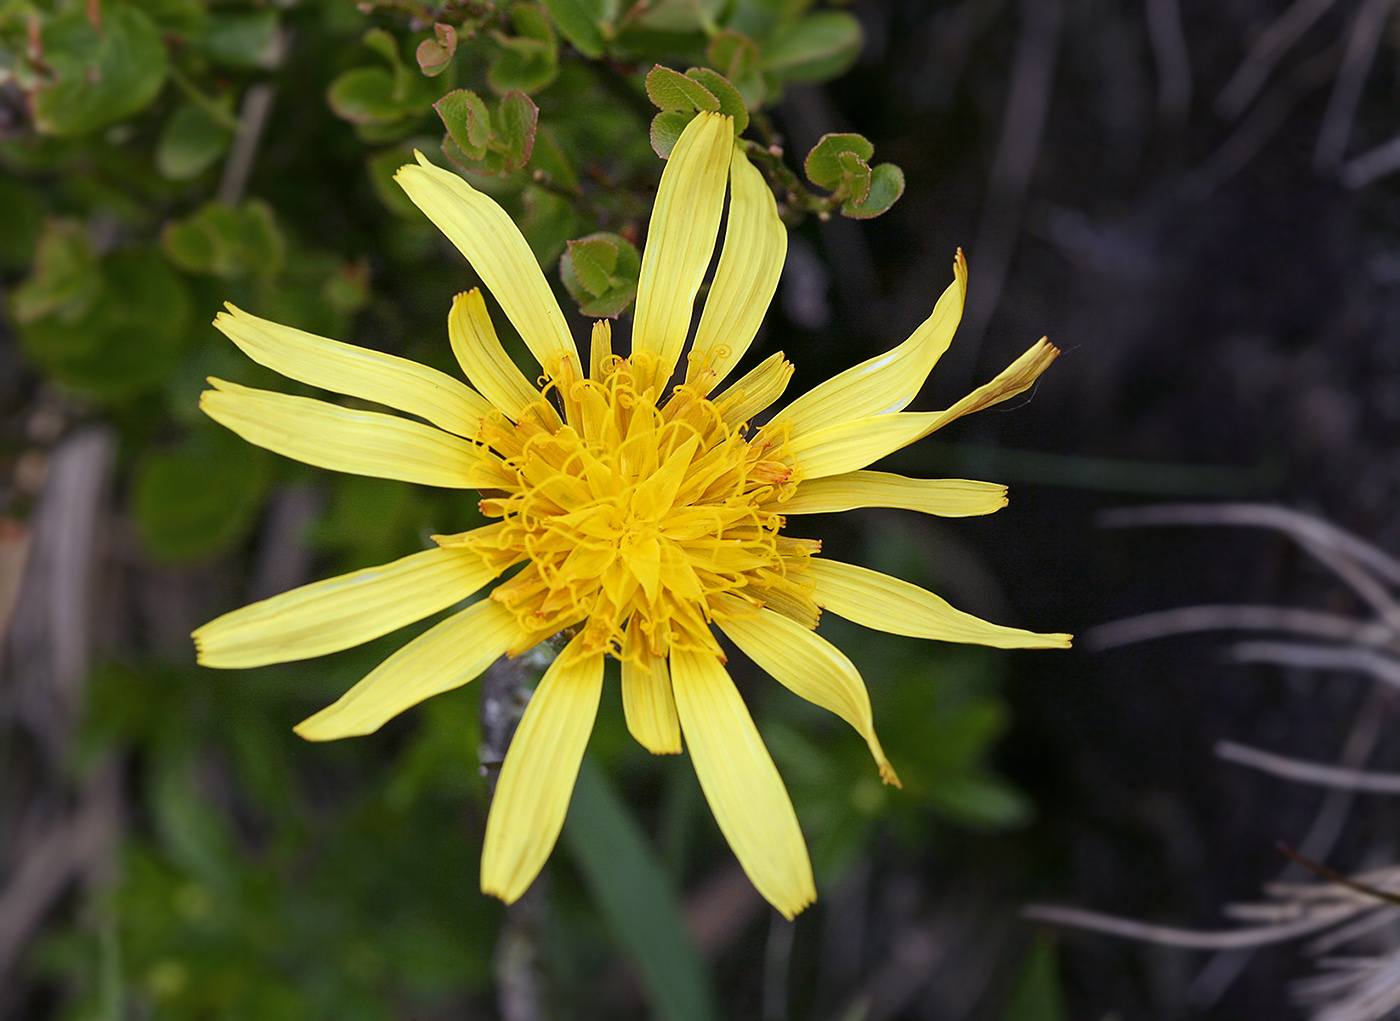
(21, 223)
(1036, 995)
(435, 55)
(97, 77)
(855, 175)
(523, 64)
(636, 898)
(467, 121)
(671, 90)
(593, 260)
(735, 56)
(243, 39)
(815, 49)
(196, 500)
(384, 44)
(365, 95)
(191, 141)
(131, 336)
(65, 280)
(730, 102)
(679, 15)
(666, 128)
(886, 186)
(823, 164)
(583, 23)
(601, 271)
(516, 120)
(227, 241)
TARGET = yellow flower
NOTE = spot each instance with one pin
(635, 519)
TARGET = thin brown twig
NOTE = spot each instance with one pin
(1314, 773)
(1267, 51)
(1193, 619)
(1364, 39)
(1306, 656)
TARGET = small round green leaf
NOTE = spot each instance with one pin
(191, 141)
(823, 163)
(98, 77)
(671, 90)
(730, 102)
(130, 338)
(886, 186)
(815, 49)
(666, 128)
(198, 499)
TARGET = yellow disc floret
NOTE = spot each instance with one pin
(639, 515)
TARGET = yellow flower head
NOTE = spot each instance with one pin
(637, 518)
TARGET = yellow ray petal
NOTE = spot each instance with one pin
(486, 235)
(876, 600)
(950, 498)
(484, 360)
(537, 778)
(811, 667)
(647, 702)
(886, 383)
(740, 782)
(345, 440)
(755, 390)
(357, 372)
(681, 237)
(1012, 380)
(341, 612)
(755, 245)
(446, 656)
(847, 446)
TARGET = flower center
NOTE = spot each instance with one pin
(640, 520)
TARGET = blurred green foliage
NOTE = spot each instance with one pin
(176, 154)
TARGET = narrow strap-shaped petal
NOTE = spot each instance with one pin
(647, 701)
(755, 245)
(537, 778)
(341, 612)
(446, 656)
(1014, 379)
(342, 439)
(886, 383)
(848, 446)
(809, 666)
(876, 600)
(949, 498)
(681, 237)
(357, 372)
(486, 235)
(755, 390)
(484, 360)
(740, 782)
